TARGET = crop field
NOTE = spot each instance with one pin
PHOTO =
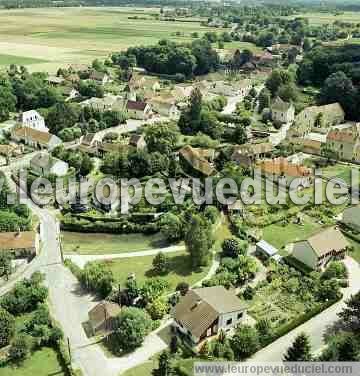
(322, 18)
(59, 36)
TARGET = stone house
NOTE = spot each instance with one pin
(138, 110)
(248, 154)
(282, 112)
(32, 119)
(43, 164)
(36, 139)
(102, 318)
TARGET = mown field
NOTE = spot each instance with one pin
(321, 18)
(78, 35)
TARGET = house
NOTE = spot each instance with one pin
(248, 154)
(282, 112)
(197, 160)
(203, 312)
(243, 88)
(266, 250)
(20, 244)
(345, 141)
(109, 102)
(78, 68)
(181, 92)
(32, 119)
(69, 93)
(317, 119)
(102, 318)
(43, 164)
(137, 141)
(165, 107)
(319, 249)
(35, 139)
(138, 110)
(55, 80)
(351, 218)
(313, 143)
(284, 172)
(100, 78)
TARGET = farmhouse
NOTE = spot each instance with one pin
(100, 78)
(351, 218)
(319, 249)
(282, 112)
(203, 312)
(284, 172)
(246, 155)
(109, 102)
(313, 142)
(138, 110)
(20, 244)
(102, 317)
(197, 160)
(35, 139)
(317, 119)
(32, 119)
(43, 164)
(165, 107)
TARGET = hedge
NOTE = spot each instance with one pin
(71, 223)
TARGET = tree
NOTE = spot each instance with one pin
(245, 341)
(288, 92)
(158, 308)
(174, 344)
(248, 293)
(337, 270)
(348, 350)
(233, 247)
(172, 227)
(183, 288)
(7, 99)
(240, 135)
(62, 115)
(7, 327)
(160, 263)
(300, 350)
(338, 87)
(165, 367)
(264, 99)
(97, 278)
(161, 137)
(351, 313)
(198, 240)
(87, 165)
(20, 348)
(277, 78)
(5, 264)
(132, 326)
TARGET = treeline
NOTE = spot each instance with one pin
(337, 71)
(171, 58)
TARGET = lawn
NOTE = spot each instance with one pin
(279, 236)
(179, 266)
(340, 171)
(78, 35)
(19, 60)
(98, 244)
(43, 362)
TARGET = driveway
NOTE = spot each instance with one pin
(317, 326)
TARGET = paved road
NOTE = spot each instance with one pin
(317, 326)
(81, 260)
(69, 305)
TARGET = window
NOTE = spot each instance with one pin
(240, 315)
(228, 322)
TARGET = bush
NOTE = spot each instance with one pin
(97, 278)
(132, 325)
(160, 263)
(7, 327)
(20, 347)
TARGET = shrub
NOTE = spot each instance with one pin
(7, 327)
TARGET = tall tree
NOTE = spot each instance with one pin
(351, 313)
(300, 350)
(7, 327)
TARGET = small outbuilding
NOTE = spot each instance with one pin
(266, 249)
(102, 317)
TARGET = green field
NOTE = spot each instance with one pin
(340, 171)
(317, 18)
(19, 60)
(98, 244)
(179, 266)
(78, 35)
(43, 362)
